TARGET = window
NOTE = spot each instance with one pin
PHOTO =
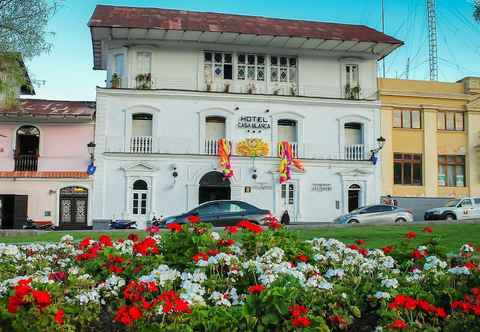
(228, 207)
(119, 65)
(466, 203)
(378, 208)
(353, 133)
(453, 121)
(214, 128)
(218, 66)
(283, 69)
(208, 209)
(287, 130)
(451, 171)
(144, 63)
(141, 125)
(351, 78)
(407, 169)
(251, 67)
(407, 119)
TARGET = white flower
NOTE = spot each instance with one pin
(459, 270)
(390, 283)
(215, 236)
(335, 273)
(382, 295)
(66, 238)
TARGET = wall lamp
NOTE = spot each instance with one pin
(380, 143)
(91, 150)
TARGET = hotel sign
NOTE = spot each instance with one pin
(253, 122)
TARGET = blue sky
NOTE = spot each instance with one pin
(66, 72)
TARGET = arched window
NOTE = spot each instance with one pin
(287, 130)
(27, 148)
(140, 198)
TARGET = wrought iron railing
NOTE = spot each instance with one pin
(26, 163)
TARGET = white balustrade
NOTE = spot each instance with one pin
(141, 144)
(355, 152)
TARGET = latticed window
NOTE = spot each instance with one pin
(218, 66)
(251, 67)
(451, 171)
(283, 69)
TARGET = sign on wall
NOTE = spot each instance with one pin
(253, 122)
(321, 187)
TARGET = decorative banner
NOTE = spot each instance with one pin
(252, 147)
(224, 154)
(91, 168)
(286, 162)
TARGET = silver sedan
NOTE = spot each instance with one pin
(376, 214)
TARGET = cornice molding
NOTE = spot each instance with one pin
(390, 106)
(401, 93)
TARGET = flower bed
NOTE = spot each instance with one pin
(244, 279)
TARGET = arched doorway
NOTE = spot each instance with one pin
(27, 148)
(213, 187)
(353, 197)
(73, 208)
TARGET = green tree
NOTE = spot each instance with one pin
(23, 34)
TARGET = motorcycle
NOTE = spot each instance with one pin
(123, 224)
(157, 221)
(30, 224)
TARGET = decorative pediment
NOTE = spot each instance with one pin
(355, 172)
(140, 167)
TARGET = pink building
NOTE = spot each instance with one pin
(43, 163)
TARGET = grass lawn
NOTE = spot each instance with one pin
(451, 236)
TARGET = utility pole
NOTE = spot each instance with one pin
(408, 68)
(383, 30)
(432, 40)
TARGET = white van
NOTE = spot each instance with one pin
(456, 209)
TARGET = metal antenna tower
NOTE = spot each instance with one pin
(432, 39)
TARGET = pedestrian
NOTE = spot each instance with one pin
(285, 220)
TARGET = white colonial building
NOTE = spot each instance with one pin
(178, 81)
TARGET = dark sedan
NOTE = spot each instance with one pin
(222, 213)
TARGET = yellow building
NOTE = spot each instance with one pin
(432, 131)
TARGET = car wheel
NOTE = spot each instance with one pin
(353, 221)
(400, 220)
(450, 217)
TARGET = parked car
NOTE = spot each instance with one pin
(123, 224)
(222, 213)
(456, 209)
(376, 214)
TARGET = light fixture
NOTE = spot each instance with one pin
(254, 175)
(380, 143)
(237, 108)
(267, 111)
(175, 173)
(91, 150)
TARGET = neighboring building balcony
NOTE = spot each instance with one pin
(26, 163)
(167, 145)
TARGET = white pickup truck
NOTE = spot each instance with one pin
(456, 209)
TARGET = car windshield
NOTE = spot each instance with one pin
(357, 210)
(452, 203)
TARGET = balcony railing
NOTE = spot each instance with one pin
(355, 152)
(141, 144)
(26, 163)
(295, 150)
(211, 147)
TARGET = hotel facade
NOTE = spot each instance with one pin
(433, 139)
(179, 81)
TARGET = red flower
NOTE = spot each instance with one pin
(302, 258)
(337, 320)
(297, 310)
(134, 313)
(363, 251)
(300, 322)
(213, 252)
(200, 256)
(470, 265)
(133, 237)
(256, 289)
(193, 219)
(387, 250)
(153, 229)
(397, 324)
(122, 316)
(105, 241)
(226, 243)
(57, 276)
(42, 299)
(416, 254)
(410, 304)
(360, 242)
(428, 230)
(84, 243)
(425, 306)
(440, 313)
(410, 235)
(22, 290)
(274, 225)
(173, 227)
(58, 317)
(245, 224)
(231, 229)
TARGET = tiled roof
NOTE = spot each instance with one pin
(46, 174)
(180, 20)
(51, 108)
